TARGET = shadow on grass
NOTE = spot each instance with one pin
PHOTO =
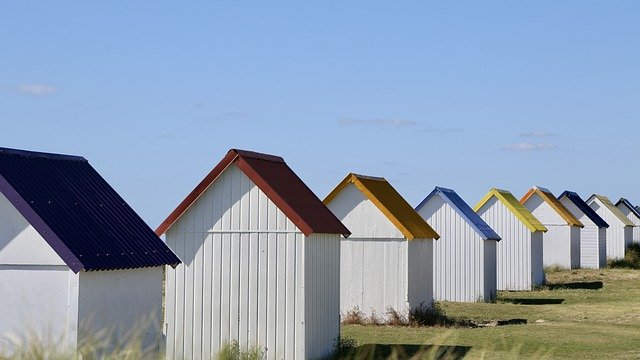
(525, 301)
(403, 351)
(587, 285)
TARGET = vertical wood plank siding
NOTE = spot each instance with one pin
(617, 235)
(246, 268)
(519, 253)
(463, 265)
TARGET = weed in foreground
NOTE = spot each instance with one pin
(232, 351)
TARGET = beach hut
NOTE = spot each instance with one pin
(77, 264)
(620, 230)
(387, 261)
(593, 236)
(519, 252)
(561, 242)
(464, 259)
(633, 214)
(261, 262)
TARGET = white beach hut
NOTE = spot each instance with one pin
(562, 240)
(620, 230)
(593, 236)
(77, 264)
(464, 259)
(387, 261)
(632, 213)
(519, 252)
(261, 262)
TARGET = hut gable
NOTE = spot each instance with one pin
(279, 183)
(81, 217)
(629, 210)
(547, 197)
(463, 210)
(583, 207)
(396, 209)
(508, 200)
(617, 214)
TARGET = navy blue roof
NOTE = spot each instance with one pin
(464, 210)
(628, 204)
(584, 207)
(76, 211)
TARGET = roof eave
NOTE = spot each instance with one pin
(40, 226)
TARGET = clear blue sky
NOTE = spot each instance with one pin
(467, 95)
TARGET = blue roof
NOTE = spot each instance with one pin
(628, 204)
(79, 215)
(464, 210)
(584, 207)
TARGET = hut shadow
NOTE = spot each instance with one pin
(586, 285)
(533, 301)
(409, 351)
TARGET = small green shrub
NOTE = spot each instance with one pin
(394, 318)
(631, 258)
(232, 351)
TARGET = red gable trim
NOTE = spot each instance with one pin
(322, 220)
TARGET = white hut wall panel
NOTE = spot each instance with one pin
(517, 253)
(321, 312)
(615, 238)
(124, 302)
(537, 259)
(374, 276)
(242, 276)
(420, 272)
(634, 219)
(361, 216)
(590, 243)
(602, 247)
(458, 256)
(37, 287)
(559, 240)
(490, 269)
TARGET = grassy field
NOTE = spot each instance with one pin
(580, 314)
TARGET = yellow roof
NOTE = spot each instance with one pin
(548, 197)
(516, 208)
(390, 203)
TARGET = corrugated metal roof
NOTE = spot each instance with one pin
(514, 205)
(628, 204)
(76, 211)
(609, 205)
(276, 179)
(584, 207)
(390, 203)
(556, 205)
(464, 210)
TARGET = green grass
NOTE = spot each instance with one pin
(580, 314)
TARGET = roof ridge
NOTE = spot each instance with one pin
(532, 223)
(38, 154)
(256, 155)
(368, 177)
(631, 207)
(584, 207)
(547, 196)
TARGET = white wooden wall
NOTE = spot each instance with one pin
(561, 242)
(519, 253)
(39, 291)
(243, 277)
(617, 234)
(592, 239)
(380, 268)
(464, 265)
(634, 219)
(123, 302)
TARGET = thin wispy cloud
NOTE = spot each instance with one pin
(378, 122)
(531, 134)
(37, 89)
(527, 146)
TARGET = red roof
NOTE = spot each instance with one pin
(276, 179)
